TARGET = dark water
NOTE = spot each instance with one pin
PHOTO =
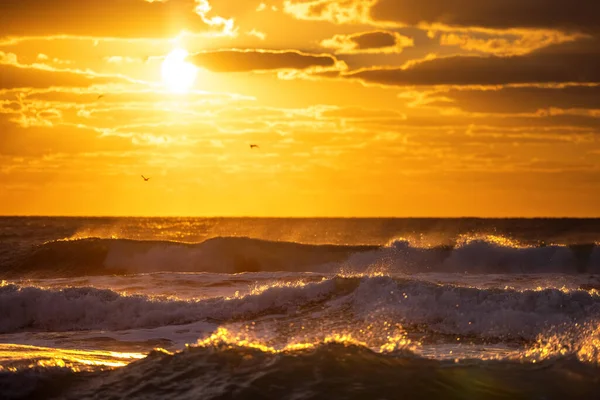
(299, 308)
(330, 371)
(345, 231)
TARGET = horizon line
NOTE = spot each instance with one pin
(290, 217)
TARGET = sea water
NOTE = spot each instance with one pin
(209, 308)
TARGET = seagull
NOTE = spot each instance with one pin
(254, 146)
(145, 179)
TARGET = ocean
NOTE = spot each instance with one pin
(254, 308)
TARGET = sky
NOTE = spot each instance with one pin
(440, 108)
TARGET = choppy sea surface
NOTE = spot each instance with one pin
(243, 308)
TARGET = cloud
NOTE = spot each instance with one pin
(258, 34)
(111, 18)
(17, 140)
(368, 42)
(373, 40)
(556, 166)
(256, 60)
(124, 95)
(510, 44)
(15, 75)
(336, 11)
(523, 99)
(12, 76)
(122, 60)
(263, 7)
(506, 14)
(358, 113)
(551, 65)
(581, 15)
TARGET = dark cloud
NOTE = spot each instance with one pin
(15, 77)
(114, 18)
(443, 123)
(567, 14)
(524, 99)
(373, 40)
(369, 45)
(564, 63)
(249, 60)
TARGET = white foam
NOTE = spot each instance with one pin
(470, 311)
(477, 256)
(444, 308)
(32, 308)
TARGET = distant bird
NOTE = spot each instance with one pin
(254, 146)
(145, 179)
(99, 97)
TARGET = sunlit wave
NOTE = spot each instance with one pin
(18, 356)
(224, 337)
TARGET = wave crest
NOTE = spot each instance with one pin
(504, 314)
(329, 370)
(226, 255)
(234, 255)
(87, 308)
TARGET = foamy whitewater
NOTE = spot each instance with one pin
(192, 308)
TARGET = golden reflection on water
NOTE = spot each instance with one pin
(424, 242)
(584, 344)
(14, 357)
(498, 240)
(224, 337)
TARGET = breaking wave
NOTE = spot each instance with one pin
(323, 371)
(503, 314)
(123, 256)
(85, 308)
(94, 256)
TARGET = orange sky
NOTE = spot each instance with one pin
(360, 108)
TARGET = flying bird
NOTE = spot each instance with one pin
(145, 179)
(99, 97)
(254, 146)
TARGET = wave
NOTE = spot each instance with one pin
(345, 303)
(326, 370)
(485, 255)
(505, 314)
(87, 308)
(123, 256)
(94, 256)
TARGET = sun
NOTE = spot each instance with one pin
(177, 74)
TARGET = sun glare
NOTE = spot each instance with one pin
(178, 75)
